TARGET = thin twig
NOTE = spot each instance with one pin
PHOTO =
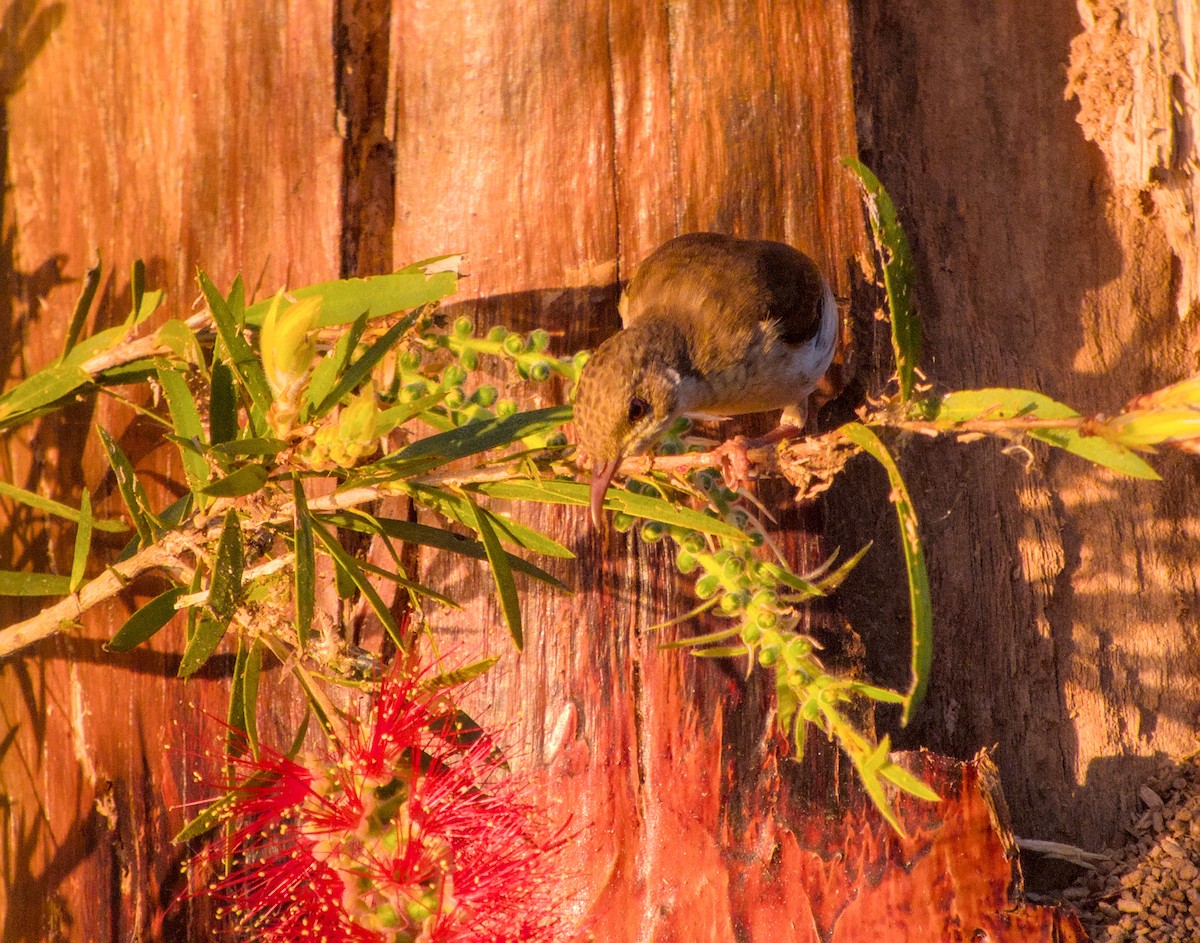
(67, 612)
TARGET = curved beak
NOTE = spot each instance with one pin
(602, 475)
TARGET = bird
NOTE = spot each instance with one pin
(713, 326)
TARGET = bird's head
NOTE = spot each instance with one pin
(628, 396)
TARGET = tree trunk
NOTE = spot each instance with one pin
(557, 149)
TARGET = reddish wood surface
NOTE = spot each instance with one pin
(200, 134)
(1065, 598)
(556, 144)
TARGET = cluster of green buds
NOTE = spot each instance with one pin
(1170, 416)
(759, 595)
(437, 366)
(356, 432)
(288, 344)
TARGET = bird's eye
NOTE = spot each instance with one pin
(638, 408)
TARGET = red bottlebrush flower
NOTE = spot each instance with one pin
(398, 834)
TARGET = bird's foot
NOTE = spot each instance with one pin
(733, 455)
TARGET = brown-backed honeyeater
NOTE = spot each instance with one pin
(713, 327)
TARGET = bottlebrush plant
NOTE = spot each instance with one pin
(362, 385)
(403, 828)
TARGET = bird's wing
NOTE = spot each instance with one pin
(738, 282)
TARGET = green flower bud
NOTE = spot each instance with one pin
(581, 358)
(497, 333)
(622, 522)
(730, 603)
(653, 531)
(410, 359)
(506, 408)
(455, 398)
(733, 567)
(766, 619)
(464, 327)
(514, 344)
(685, 562)
(767, 656)
(539, 340)
(707, 585)
(751, 634)
(469, 360)
(485, 395)
(412, 392)
(540, 371)
(694, 543)
(453, 375)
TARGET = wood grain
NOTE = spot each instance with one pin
(200, 135)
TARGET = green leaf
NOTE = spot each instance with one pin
(358, 371)
(329, 369)
(253, 446)
(222, 406)
(185, 418)
(897, 274)
(419, 589)
(914, 562)
(561, 491)
(350, 568)
(137, 288)
(305, 575)
(83, 542)
(91, 281)
(181, 341)
(46, 386)
(246, 365)
(510, 603)
(245, 480)
(58, 509)
(225, 588)
(439, 539)
(460, 676)
(214, 813)
(458, 508)
(901, 778)
(33, 584)
(144, 623)
(235, 716)
(1003, 403)
(835, 579)
(201, 645)
(345, 300)
(130, 489)
(250, 694)
(483, 435)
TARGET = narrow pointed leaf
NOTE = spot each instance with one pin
(305, 575)
(91, 281)
(245, 480)
(83, 542)
(561, 491)
(419, 588)
(440, 539)
(201, 645)
(458, 508)
(344, 300)
(222, 406)
(348, 566)
(258, 445)
(33, 584)
(46, 386)
(914, 562)
(510, 603)
(250, 694)
(460, 676)
(58, 509)
(484, 435)
(242, 359)
(329, 369)
(225, 588)
(130, 489)
(896, 257)
(1003, 403)
(185, 418)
